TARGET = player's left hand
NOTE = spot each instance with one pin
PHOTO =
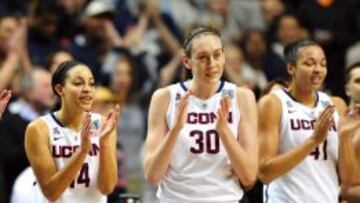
(110, 122)
(350, 123)
(223, 114)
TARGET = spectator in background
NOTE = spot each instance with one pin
(271, 9)
(70, 17)
(218, 14)
(333, 24)
(99, 37)
(131, 128)
(287, 29)
(43, 26)
(238, 71)
(35, 99)
(54, 59)
(14, 59)
(266, 64)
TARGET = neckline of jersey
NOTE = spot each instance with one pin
(185, 88)
(297, 101)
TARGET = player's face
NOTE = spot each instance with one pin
(353, 86)
(208, 59)
(310, 69)
(79, 88)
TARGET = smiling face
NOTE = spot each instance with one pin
(77, 90)
(309, 70)
(207, 58)
(353, 85)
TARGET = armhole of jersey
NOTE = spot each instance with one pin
(283, 108)
(46, 121)
(174, 90)
(236, 100)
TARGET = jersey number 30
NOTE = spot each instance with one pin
(208, 142)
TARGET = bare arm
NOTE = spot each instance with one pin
(243, 153)
(273, 165)
(351, 194)
(160, 140)
(347, 158)
(53, 182)
(107, 176)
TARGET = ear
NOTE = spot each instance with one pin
(58, 89)
(186, 61)
(291, 68)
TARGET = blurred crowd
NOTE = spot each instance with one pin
(134, 47)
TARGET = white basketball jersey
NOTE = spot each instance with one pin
(315, 179)
(64, 142)
(200, 170)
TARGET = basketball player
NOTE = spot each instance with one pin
(72, 151)
(300, 134)
(4, 100)
(202, 136)
(352, 77)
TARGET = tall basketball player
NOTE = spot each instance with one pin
(302, 144)
(202, 138)
(72, 151)
(352, 77)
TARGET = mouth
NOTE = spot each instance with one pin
(211, 74)
(86, 99)
(316, 79)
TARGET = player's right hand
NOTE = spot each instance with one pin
(182, 111)
(323, 124)
(85, 144)
(350, 123)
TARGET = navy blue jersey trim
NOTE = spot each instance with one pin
(56, 120)
(183, 86)
(316, 102)
(222, 83)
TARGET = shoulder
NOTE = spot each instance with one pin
(244, 92)
(270, 100)
(245, 95)
(37, 123)
(37, 128)
(160, 101)
(162, 94)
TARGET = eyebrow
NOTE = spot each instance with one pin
(201, 52)
(78, 77)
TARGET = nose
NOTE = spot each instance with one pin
(86, 88)
(211, 61)
(318, 68)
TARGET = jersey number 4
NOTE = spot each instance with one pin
(83, 177)
(208, 142)
(316, 153)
